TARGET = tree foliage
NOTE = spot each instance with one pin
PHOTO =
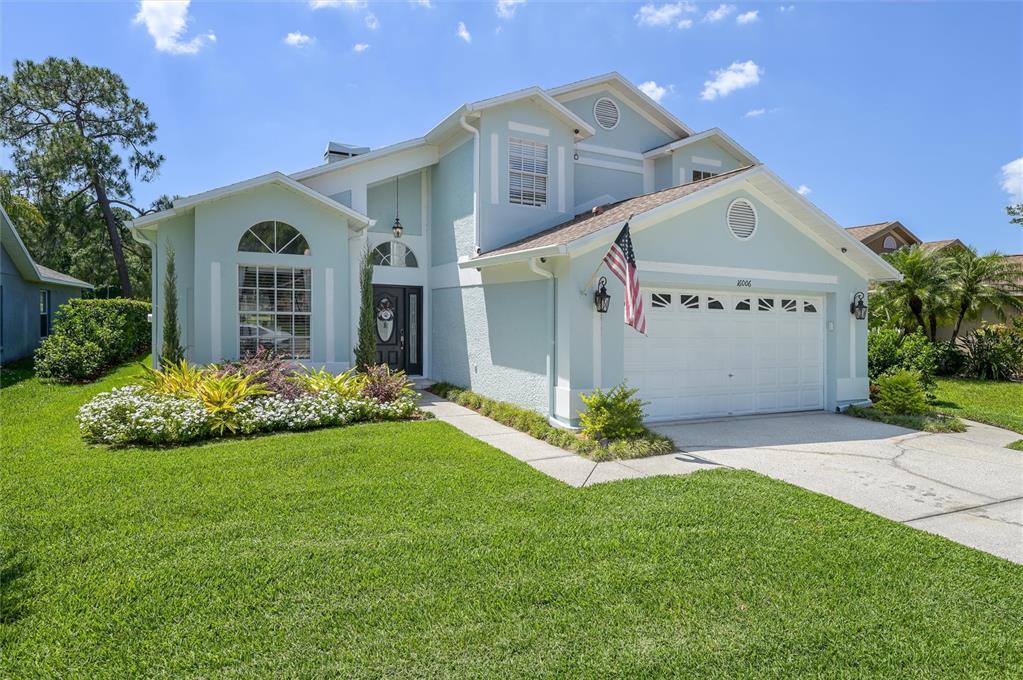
(921, 298)
(75, 133)
(1015, 213)
(172, 351)
(980, 282)
(366, 348)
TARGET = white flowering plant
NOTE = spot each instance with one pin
(139, 414)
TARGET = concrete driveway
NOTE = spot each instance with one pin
(966, 487)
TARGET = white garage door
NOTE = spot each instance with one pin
(711, 354)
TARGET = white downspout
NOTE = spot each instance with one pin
(475, 182)
(534, 266)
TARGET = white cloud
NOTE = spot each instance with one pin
(166, 21)
(1012, 179)
(666, 15)
(727, 80)
(506, 8)
(297, 39)
(372, 23)
(463, 32)
(428, 4)
(656, 92)
(351, 4)
(785, 9)
(753, 113)
(748, 17)
(360, 47)
(722, 12)
(803, 190)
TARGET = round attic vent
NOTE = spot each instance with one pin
(742, 218)
(605, 112)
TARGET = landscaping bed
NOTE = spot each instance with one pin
(261, 393)
(643, 443)
(927, 422)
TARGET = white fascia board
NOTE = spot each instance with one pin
(713, 133)
(356, 160)
(637, 96)
(515, 256)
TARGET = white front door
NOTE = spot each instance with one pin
(711, 354)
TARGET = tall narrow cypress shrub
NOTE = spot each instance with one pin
(366, 349)
(172, 350)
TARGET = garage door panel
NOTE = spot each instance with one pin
(758, 353)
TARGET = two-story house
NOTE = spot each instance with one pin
(506, 209)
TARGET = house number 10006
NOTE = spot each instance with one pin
(744, 283)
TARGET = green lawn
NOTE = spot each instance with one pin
(411, 550)
(986, 401)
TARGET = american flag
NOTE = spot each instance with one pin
(621, 260)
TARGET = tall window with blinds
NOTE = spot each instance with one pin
(274, 310)
(527, 173)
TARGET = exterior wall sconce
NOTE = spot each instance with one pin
(857, 307)
(602, 299)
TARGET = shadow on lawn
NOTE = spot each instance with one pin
(16, 372)
(14, 567)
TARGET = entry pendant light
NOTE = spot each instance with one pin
(857, 307)
(397, 228)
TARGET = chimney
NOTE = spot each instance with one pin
(336, 151)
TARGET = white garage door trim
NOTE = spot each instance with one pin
(716, 353)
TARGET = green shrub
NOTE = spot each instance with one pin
(383, 385)
(61, 359)
(889, 350)
(994, 352)
(109, 331)
(615, 414)
(348, 384)
(950, 359)
(901, 393)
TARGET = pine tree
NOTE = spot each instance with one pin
(366, 349)
(172, 350)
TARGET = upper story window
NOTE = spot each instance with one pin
(276, 238)
(702, 174)
(393, 254)
(890, 243)
(527, 173)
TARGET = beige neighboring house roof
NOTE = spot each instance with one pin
(604, 216)
(941, 245)
(867, 232)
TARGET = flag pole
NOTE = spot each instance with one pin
(593, 276)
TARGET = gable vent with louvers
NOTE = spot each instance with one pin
(606, 113)
(742, 218)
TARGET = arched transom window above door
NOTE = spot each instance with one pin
(393, 254)
(276, 238)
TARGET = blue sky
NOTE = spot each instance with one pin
(904, 111)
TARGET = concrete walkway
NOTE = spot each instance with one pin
(966, 486)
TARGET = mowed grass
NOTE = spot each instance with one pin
(986, 401)
(410, 550)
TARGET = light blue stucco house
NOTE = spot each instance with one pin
(29, 295)
(507, 207)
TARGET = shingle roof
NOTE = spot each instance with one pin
(867, 230)
(613, 213)
(939, 245)
(60, 277)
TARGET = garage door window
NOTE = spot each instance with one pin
(660, 300)
(809, 307)
(690, 301)
(742, 305)
(765, 304)
(714, 303)
(788, 305)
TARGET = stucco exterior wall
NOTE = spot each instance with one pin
(503, 222)
(693, 156)
(451, 206)
(380, 204)
(633, 132)
(494, 338)
(211, 328)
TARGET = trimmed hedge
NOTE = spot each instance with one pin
(90, 336)
(535, 425)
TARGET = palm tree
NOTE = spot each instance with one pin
(980, 281)
(922, 296)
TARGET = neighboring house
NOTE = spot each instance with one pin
(489, 281)
(29, 295)
(886, 237)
